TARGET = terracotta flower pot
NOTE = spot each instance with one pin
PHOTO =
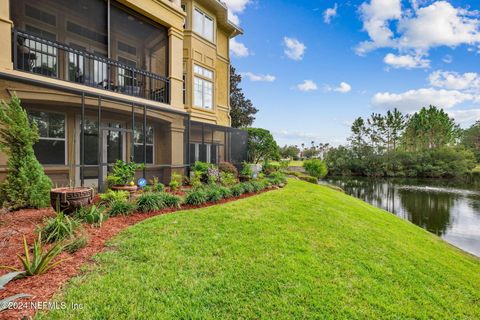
(70, 199)
(131, 189)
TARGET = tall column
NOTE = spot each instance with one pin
(175, 38)
(5, 35)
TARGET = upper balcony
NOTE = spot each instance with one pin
(86, 42)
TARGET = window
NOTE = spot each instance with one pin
(203, 24)
(138, 143)
(203, 88)
(50, 149)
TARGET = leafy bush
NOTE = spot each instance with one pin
(201, 166)
(308, 178)
(225, 192)
(213, 193)
(176, 181)
(58, 228)
(170, 200)
(26, 185)
(227, 167)
(112, 196)
(247, 187)
(41, 261)
(316, 168)
(76, 243)
(270, 167)
(157, 186)
(123, 173)
(284, 164)
(237, 190)
(92, 215)
(277, 178)
(228, 179)
(196, 197)
(246, 170)
(149, 202)
(196, 179)
(257, 186)
(213, 175)
(121, 208)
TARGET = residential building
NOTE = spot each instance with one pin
(144, 80)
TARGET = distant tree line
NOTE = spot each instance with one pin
(426, 144)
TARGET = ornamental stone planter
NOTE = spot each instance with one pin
(70, 199)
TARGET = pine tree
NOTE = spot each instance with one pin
(26, 185)
(242, 110)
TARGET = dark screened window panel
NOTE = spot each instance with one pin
(50, 151)
(40, 15)
(138, 154)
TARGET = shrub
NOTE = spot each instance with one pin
(308, 178)
(26, 185)
(112, 196)
(227, 179)
(213, 175)
(237, 190)
(246, 170)
(92, 215)
(196, 179)
(213, 193)
(157, 186)
(201, 166)
(121, 207)
(176, 181)
(277, 178)
(247, 187)
(149, 202)
(270, 167)
(41, 261)
(316, 168)
(225, 192)
(123, 173)
(227, 167)
(284, 164)
(170, 200)
(58, 228)
(76, 243)
(196, 197)
(256, 186)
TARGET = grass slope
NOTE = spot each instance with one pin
(302, 252)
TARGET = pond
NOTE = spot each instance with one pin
(447, 208)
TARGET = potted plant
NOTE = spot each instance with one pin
(122, 176)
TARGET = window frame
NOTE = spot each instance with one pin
(65, 133)
(199, 74)
(202, 32)
(147, 144)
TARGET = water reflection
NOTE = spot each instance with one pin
(449, 209)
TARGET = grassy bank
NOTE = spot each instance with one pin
(305, 251)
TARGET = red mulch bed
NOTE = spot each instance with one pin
(42, 287)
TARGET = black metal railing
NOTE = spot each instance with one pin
(56, 60)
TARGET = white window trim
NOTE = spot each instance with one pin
(204, 79)
(202, 32)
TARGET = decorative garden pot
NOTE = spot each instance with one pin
(131, 189)
(68, 200)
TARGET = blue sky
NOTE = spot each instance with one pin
(312, 67)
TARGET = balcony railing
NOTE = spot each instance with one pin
(56, 60)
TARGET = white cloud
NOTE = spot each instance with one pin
(294, 49)
(413, 100)
(415, 31)
(465, 117)
(343, 87)
(469, 81)
(307, 85)
(447, 59)
(259, 77)
(406, 61)
(238, 49)
(330, 13)
(236, 7)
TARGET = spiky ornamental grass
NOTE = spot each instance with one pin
(26, 185)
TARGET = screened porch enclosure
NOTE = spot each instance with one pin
(81, 142)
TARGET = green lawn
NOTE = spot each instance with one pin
(302, 252)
